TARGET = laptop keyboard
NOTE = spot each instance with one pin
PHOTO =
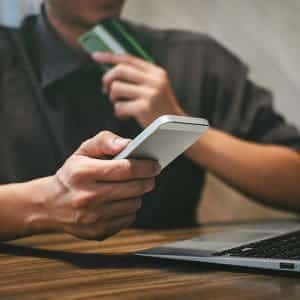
(285, 246)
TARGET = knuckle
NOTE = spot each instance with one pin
(127, 168)
(102, 140)
(154, 93)
(78, 217)
(76, 173)
(104, 134)
(161, 84)
(142, 168)
(137, 204)
(162, 74)
(114, 90)
(151, 168)
(119, 111)
(82, 201)
(161, 79)
(89, 219)
(94, 232)
(127, 59)
(98, 217)
(85, 144)
(120, 69)
(106, 193)
(100, 195)
(149, 185)
(79, 203)
(131, 220)
(81, 217)
(71, 173)
(120, 170)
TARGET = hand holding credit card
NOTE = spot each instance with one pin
(136, 85)
(111, 36)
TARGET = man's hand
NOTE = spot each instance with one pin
(95, 198)
(137, 89)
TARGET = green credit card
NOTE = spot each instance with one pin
(111, 36)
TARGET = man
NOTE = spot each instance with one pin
(51, 103)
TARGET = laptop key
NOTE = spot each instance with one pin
(281, 247)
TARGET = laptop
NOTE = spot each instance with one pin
(273, 246)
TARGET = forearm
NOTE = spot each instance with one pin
(267, 173)
(22, 213)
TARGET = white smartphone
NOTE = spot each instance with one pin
(165, 139)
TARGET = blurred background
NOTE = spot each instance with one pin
(264, 34)
(13, 11)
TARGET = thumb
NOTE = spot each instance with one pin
(103, 144)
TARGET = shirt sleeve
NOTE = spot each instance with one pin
(240, 107)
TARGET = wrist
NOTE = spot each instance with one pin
(202, 151)
(42, 192)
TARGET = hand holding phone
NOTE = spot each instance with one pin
(165, 139)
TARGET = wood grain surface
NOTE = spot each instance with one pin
(60, 267)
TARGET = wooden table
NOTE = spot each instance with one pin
(61, 267)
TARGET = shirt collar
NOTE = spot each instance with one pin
(56, 59)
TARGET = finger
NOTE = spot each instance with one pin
(125, 73)
(128, 109)
(119, 170)
(120, 90)
(109, 192)
(115, 59)
(105, 143)
(105, 212)
(100, 230)
(118, 209)
(118, 224)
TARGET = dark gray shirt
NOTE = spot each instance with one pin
(51, 101)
